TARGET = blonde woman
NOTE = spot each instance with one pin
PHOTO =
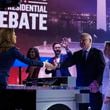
(8, 54)
(106, 79)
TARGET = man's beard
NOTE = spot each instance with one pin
(57, 53)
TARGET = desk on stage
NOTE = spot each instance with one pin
(42, 98)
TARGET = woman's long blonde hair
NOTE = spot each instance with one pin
(7, 39)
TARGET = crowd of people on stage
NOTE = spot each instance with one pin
(92, 70)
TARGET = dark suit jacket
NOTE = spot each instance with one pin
(89, 70)
(64, 70)
(6, 61)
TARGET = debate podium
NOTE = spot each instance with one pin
(21, 97)
(60, 99)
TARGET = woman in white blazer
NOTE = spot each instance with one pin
(106, 79)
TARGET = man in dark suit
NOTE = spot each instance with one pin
(90, 65)
(57, 59)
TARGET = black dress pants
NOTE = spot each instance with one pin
(95, 102)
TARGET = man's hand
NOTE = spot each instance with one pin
(107, 100)
(50, 66)
(94, 87)
(65, 43)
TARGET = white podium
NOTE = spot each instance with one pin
(59, 99)
(46, 99)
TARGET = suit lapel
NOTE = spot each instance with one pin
(89, 54)
(61, 58)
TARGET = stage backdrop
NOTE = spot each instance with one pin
(39, 23)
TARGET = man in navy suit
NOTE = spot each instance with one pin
(90, 65)
(57, 59)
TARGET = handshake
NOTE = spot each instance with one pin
(50, 66)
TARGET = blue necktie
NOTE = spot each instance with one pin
(85, 55)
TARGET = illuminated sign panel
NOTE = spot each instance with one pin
(29, 15)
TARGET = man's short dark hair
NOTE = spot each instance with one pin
(55, 44)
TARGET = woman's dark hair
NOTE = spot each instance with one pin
(107, 43)
(36, 53)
